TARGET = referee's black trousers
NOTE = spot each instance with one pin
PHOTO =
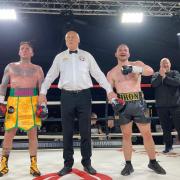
(76, 104)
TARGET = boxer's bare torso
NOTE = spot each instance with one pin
(22, 75)
(125, 83)
(130, 82)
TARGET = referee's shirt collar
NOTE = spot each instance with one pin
(74, 51)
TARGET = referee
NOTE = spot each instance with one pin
(75, 67)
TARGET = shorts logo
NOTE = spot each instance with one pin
(130, 96)
(11, 109)
(81, 174)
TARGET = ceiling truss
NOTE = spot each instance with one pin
(93, 7)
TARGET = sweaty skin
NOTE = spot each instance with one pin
(21, 75)
(132, 81)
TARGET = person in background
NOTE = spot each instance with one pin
(166, 83)
(95, 126)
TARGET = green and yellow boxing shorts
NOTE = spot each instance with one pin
(21, 109)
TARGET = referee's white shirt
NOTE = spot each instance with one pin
(75, 70)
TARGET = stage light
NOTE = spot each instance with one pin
(132, 17)
(178, 34)
(8, 14)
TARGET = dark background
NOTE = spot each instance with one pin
(155, 38)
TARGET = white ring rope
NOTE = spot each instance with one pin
(93, 102)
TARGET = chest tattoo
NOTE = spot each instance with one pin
(17, 71)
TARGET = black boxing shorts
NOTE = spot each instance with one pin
(134, 110)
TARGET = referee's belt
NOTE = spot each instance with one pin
(132, 96)
(74, 91)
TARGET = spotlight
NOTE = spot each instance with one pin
(178, 34)
(132, 17)
(7, 14)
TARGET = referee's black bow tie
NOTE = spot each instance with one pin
(70, 52)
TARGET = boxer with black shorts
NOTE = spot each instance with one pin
(125, 77)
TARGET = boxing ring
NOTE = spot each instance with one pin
(108, 161)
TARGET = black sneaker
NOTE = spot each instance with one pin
(65, 170)
(167, 150)
(156, 168)
(128, 169)
(89, 169)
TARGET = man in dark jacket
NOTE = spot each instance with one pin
(167, 95)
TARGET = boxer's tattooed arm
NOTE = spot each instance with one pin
(5, 81)
(40, 78)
